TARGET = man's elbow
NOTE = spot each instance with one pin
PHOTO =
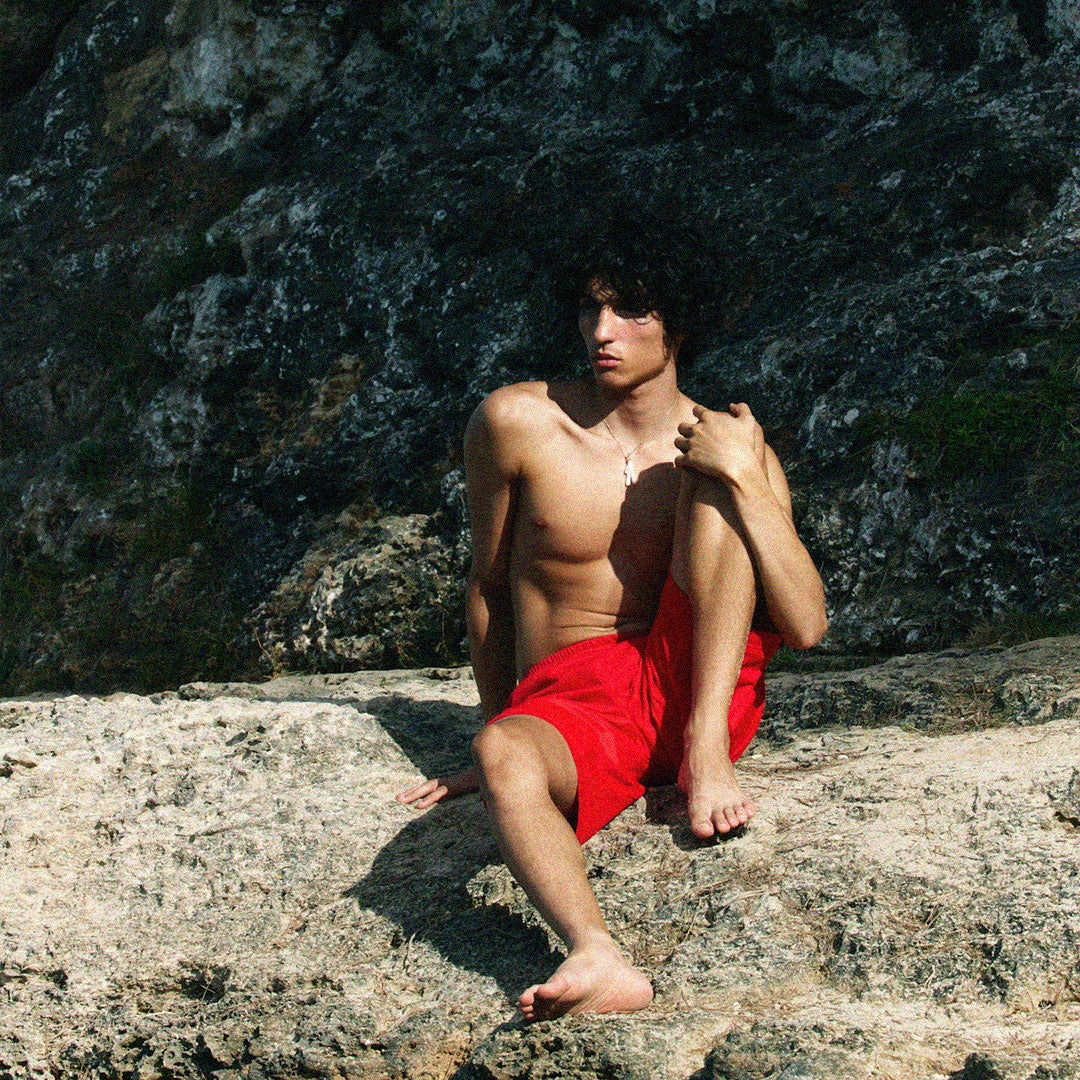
(808, 633)
(489, 590)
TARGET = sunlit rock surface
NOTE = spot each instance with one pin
(218, 883)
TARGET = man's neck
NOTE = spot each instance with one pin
(638, 411)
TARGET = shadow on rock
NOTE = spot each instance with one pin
(419, 882)
(434, 735)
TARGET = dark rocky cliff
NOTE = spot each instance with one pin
(259, 260)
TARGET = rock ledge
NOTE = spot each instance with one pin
(215, 882)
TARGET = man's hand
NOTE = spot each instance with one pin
(714, 802)
(724, 445)
(432, 791)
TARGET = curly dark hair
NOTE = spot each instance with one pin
(645, 262)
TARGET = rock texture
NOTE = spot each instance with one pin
(217, 883)
(259, 260)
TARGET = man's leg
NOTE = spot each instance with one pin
(711, 564)
(529, 783)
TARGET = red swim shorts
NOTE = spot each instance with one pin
(621, 704)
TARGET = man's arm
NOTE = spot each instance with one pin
(730, 447)
(491, 472)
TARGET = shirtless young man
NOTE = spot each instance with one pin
(584, 498)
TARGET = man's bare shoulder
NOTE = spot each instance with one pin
(521, 410)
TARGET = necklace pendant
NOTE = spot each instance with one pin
(629, 476)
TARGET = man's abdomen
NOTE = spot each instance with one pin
(581, 603)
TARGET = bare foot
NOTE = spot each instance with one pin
(716, 804)
(593, 978)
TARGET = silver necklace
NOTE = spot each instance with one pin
(629, 474)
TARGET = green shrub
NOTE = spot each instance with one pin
(984, 431)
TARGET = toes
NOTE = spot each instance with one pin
(702, 828)
(540, 1001)
(549, 992)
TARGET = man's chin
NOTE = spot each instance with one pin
(611, 376)
(618, 380)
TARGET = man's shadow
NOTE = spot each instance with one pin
(419, 879)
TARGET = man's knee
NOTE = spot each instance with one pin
(506, 758)
(522, 756)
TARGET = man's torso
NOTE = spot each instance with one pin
(589, 554)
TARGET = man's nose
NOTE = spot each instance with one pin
(604, 326)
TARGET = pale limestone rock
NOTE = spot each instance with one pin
(217, 882)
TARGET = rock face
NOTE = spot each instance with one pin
(217, 883)
(259, 260)
(388, 597)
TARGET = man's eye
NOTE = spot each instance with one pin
(590, 309)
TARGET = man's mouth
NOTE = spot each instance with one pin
(606, 360)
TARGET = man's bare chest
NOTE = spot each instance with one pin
(575, 507)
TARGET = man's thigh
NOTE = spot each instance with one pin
(593, 696)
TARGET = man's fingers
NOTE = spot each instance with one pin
(412, 794)
(741, 410)
(419, 792)
(432, 798)
(699, 411)
(686, 429)
(431, 791)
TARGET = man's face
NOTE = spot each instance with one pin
(626, 348)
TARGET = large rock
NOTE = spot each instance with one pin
(259, 260)
(958, 688)
(386, 597)
(218, 883)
